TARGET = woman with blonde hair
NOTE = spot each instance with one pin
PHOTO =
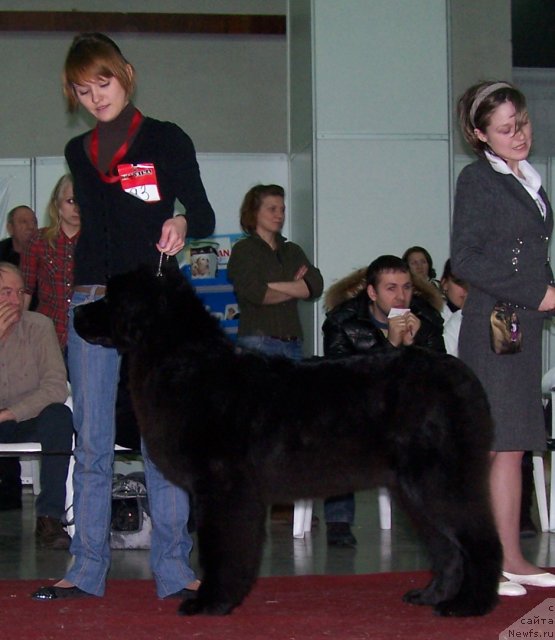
(47, 262)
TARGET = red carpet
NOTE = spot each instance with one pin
(292, 608)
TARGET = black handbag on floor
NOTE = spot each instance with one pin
(131, 524)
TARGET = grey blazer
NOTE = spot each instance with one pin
(500, 240)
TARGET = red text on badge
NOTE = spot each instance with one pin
(139, 180)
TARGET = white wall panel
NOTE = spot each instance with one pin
(382, 169)
(15, 186)
(380, 197)
(381, 67)
(226, 176)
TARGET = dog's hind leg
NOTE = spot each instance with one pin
(482, 558)
(440, 454)
(445, 555)
(460, 535)
(230, 538)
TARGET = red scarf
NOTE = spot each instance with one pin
(110, 176)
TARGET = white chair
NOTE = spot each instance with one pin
(27, 452)
(541, 496)
(302, 514)
(30, 473)
(548, 389)
(32, 451)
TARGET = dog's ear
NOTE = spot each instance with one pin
(144, 308)
(92, 323)
(128, 331)
(129, 296)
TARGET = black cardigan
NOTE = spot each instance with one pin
(120, 231)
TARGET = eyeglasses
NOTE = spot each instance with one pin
(6, 292)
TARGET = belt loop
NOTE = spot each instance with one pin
(90, 294)
(97, 291)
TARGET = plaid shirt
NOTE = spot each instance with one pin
(49, 271)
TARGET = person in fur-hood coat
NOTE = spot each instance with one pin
(381, 306)
(353, 325)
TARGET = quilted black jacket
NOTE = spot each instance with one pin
(348, 329)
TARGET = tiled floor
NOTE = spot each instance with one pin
(377, 551)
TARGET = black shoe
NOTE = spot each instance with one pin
(59, 593)
(339, 534)
(50, 534)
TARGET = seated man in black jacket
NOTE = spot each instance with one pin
(382, 306)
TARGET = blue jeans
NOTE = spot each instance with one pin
(94, 374)
(272, 346)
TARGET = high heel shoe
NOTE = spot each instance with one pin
(534, 580)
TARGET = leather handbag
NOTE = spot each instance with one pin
(505, 332)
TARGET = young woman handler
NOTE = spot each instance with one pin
(127, 173)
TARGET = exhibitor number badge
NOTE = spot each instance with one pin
(139, 180)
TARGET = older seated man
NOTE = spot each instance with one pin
(21, 225)
(33, 389)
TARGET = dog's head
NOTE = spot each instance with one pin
(140, 308)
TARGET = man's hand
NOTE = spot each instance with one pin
(9, 315)
(412, 327)
(402, 329)
(6, 414)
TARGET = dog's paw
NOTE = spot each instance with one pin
(199, 606)
(420, 597)
(465, 606)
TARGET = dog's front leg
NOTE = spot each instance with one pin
(230, 538)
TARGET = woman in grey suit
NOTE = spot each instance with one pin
(501, 230)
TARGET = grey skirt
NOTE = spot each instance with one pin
(512, 382)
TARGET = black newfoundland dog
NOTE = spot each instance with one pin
(243, 431)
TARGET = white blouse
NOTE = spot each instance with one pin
(531, 179)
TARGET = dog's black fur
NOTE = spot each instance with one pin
(242, 431)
